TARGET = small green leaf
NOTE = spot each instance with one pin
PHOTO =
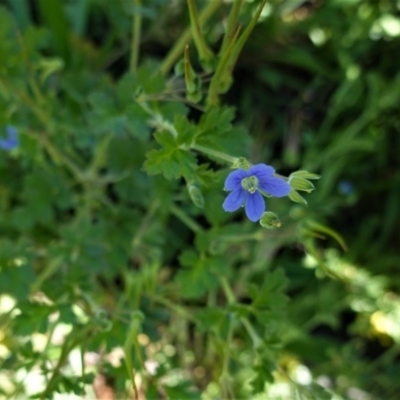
(263, 375)
(215, 131)
(171, 161)
(271, 294)
(197, 275)
(185, 130)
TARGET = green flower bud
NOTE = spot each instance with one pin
(196, 195)
(194, 97)
(209, 63)
(296, 197)
(192, 81)
(302, 184)
(179, 68)
(270, 220)
(304, 174)
(241, 163)
(225, 84)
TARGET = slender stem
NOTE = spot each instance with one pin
(229, 57)
(228, 291)
(47, 272)
(258, 235)
(136, 30)
(242, 40)
(68, 346)
(257, 341)
(131, 339)
(222, 70)
(214, 153)
(144, 224)
(58, 156)
(231, 25)
(177, 309)
(189, 222)
(205, 53)
(186, 36)
(227, 392)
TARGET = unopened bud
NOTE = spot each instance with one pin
(270, 220)
(304, 174)
(296, 197)
(196, 196)
(302, 184)
(241, 163)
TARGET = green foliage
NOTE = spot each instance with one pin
(118, 263)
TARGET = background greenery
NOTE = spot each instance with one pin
(111, 273)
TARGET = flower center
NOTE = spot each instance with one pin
(250, 183)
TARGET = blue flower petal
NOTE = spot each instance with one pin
(235, 199)
(261, 171)
(11, 132)
(234, 179)
(275, 186)
(12, 139)
(255, 206)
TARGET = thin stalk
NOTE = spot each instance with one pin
(183, 217)
(257, 341)
(214, 89)
(213, 153)
(131, 339)
(57, 156)
(205, 54)
(242, 40)
(68, 346)
(177, 309)
(136, 33)
(144, 224)
(186, 36)
(47, 272)
(231, 25)
(229, 57)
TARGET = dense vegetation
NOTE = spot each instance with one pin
(121, 274)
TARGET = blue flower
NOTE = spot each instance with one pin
(346, 187)
(12, 139)
(245, 187)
